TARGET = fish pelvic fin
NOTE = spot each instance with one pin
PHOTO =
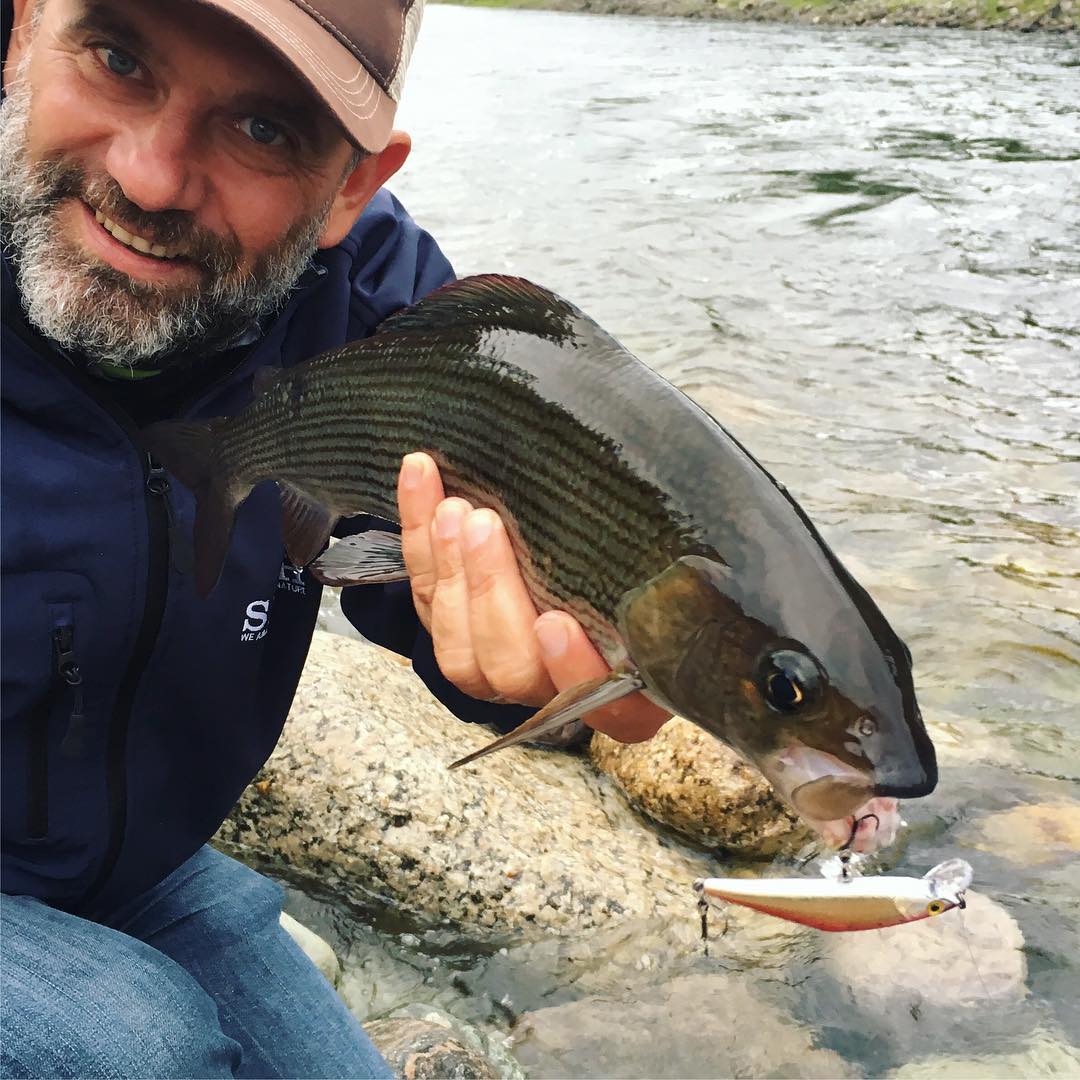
(368, 558)
(190, 452)
(562, 709)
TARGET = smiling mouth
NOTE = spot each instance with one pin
(137, 243)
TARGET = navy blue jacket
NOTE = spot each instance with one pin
(134, 713)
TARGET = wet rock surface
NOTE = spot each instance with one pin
(1042, 833)
(423, 1050)
(315, 948)
(693, 1026)
(914, 972)
(357, 801)
(690, 781)
(1043, 1055)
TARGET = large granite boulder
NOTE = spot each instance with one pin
(690, 781)
(357, 800)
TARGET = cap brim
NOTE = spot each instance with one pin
(342, 83)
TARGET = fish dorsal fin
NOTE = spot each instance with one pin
(484, 303)
(264, 378)
(306, 524)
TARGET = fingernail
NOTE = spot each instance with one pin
(447, 521)
(552, 636)
(412, 471)
(478, 526)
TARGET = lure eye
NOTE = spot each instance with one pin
(935, 907)
(790, 680)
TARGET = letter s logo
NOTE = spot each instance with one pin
(258, 611)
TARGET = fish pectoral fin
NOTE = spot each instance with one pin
(307, 524)
(368, 558)
(564, 708)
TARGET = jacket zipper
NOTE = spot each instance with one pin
(65, 671)
(158, 514)
(67, 668)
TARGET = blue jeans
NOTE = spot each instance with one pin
(193, 979)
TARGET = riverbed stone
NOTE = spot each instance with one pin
(969, 957)
(356, 801)
(317, 950)
(418, 1049)
(701, 1025)
(1039, 833)
(1042, 1055)
(687, 779)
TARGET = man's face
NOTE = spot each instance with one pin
(164, 177)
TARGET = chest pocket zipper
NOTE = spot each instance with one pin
(68, 670)
(66, 676)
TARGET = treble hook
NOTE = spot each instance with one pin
(845, 853)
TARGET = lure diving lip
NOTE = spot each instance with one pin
(861, 903)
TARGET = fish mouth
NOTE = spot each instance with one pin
(839, 801)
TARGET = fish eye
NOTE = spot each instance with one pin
(935, 907)
(790, 680)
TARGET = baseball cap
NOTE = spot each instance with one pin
(352, 53)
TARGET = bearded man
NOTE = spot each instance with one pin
(191, 190)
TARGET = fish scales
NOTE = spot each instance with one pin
(415, 400)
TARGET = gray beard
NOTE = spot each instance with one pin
(90, 308)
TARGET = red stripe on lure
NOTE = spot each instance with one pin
(861, 903)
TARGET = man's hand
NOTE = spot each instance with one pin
(469, 594)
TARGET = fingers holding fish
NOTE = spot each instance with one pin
(572, 659)
(419, 492)
(501, 613)
(449, 621)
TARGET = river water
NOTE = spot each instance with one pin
(860, 250)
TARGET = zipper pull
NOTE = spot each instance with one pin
(181, 553)
(67, 668)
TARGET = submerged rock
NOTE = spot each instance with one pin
(1043, 833)
(688, 780)
(317, 950)
(422, 1050)
(695, 1026)
(963, 958)
(1043, 1055)
(357, 800)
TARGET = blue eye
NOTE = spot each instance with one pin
(117, 61)
(261, 131)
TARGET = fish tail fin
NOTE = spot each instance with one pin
(190, 452)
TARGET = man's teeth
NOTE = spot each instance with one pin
(133, 241)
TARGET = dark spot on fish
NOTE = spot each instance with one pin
(408, 863)
(397, 820)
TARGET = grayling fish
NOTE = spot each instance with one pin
(695, 573)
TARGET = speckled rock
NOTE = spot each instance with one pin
(419, 1029)
(1039, 834)
(1043, 1055)
(357, 800)
(693, 1026)
(964, 958)
(317, 950)
(693, 783)
(421, 1050)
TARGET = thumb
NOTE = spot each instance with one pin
(571, 659)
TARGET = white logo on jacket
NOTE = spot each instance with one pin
(291, 579)
(257, 616)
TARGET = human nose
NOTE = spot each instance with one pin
(156, 166)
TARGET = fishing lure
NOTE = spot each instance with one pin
(850, 903)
